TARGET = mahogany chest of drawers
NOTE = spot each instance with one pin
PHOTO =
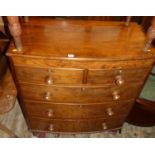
(79, 76)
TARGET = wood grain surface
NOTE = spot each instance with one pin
(79, 76)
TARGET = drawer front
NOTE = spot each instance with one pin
(117, 76)
(91, 125)
(49, 76)
(81, 63)
(79, 94)
(77, 111)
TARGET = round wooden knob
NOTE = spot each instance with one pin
(116, 95)
(50, 113)
(47, 96)
(51, 127)
(104, 126)
(80, 106)
(119, 80)
(83, 89)
(110, 112)
(48, 79)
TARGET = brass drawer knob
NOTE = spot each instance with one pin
(104, 126)
(50, 113)
(110, 112)
(119, 80)
(51, 127)
(116, 95)
(47, 96)
(49, 80)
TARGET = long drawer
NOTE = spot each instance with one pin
(57, 125)
(77, 111)
(79, 94)
(81, 63)
(79, 76)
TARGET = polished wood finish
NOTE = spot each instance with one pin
(73, 126)
(76, 110)
(80, 93)
(79, 76)
(117, 76)
(143, 111)
(49, 76)
(105, 39)
(15, 30)
(91, 64)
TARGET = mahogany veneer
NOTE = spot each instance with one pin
(79, 76)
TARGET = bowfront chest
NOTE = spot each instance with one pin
(79, 76)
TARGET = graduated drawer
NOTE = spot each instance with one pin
(77, 111)
(117, 76)
(79, 94)
(88, 125)
(49, 76)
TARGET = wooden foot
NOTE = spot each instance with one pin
(57, 135)
(40, 134)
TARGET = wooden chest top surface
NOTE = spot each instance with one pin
(52, 38)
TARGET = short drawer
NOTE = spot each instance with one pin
(79, 94)
(49, 76)
(77, 111)
(117, 76)
(72, 126)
